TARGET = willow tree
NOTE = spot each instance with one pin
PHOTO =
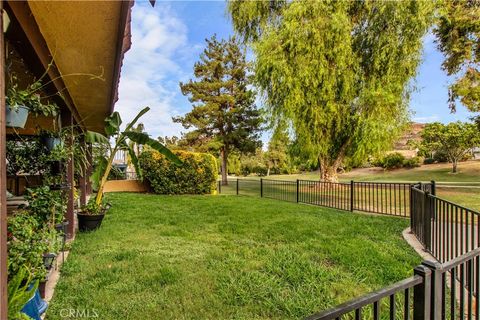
(340, 72)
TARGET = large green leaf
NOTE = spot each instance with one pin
(112, 124)
(141, 113)
(95, 137)
(100, 168)
(143, 138)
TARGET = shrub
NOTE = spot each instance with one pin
(412, 162)
(393, 161)
(198, 175)
(47, 206)
(27, 241)
(440, 156)
(428, 161)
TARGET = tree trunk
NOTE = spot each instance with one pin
(328, 171)
(224, 167)
(454, 166)
(329, 165)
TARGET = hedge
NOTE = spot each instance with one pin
(198, 175)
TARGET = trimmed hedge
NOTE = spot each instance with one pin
(198, 175)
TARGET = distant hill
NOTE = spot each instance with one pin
(412, 134)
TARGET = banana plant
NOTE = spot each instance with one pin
(120, 142)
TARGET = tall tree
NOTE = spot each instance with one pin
(338, 71)
(277, 154)
(454, 139)
(458, 37)
(224, 114)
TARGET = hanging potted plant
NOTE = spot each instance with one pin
(57, 156)
(50, 140)
(90, 217)
(20, 103)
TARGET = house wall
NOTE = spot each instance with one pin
(125, 186)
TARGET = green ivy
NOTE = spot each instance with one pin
(27, 241)
(47, 206)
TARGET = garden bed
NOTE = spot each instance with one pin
(218, 257)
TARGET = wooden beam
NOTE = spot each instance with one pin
(67, 121)
(3, 182)
(83, 179)
(89, 170)
(23, 15)
(123, 44)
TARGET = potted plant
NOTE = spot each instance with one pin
(22, 102)
(96, 206)
(91, 216)
(50, 140)
(57, 156)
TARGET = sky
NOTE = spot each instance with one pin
(168, 39)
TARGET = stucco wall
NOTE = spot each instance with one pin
(125, 186)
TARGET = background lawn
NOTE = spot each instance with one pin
(468, 174)
(223, 257)
(462, 187)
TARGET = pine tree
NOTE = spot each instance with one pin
(224, 116)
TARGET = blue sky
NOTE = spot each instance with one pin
(168, 39)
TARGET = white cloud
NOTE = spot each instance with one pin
(427, 119)
(151, 69)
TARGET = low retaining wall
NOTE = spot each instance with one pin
(125, 186)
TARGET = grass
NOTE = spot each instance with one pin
(468, 173)
(223, 257)
(467, 197)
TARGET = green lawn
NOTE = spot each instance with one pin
(223, 257)
(468, 172)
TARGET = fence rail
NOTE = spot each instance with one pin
(399, 293)
(379, 197)
(326, 194)
(447, 230)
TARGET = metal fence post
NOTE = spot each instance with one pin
(237, 186)
(261, 187)
(411, 206)
(297, 190)
(436, 283)
(434, 188)
(422, 294)
(352, 184)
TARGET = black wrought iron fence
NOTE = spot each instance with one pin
(326, 194)
(447, 230)
(406, 299)
(378, 197)
(436, 291)
(279, 190)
